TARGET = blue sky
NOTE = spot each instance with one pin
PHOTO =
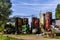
(33, 7)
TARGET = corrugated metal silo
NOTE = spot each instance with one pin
(48, 20)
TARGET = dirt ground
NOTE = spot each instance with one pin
(31, 37)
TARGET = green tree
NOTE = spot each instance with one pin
(57, 13)
(5, 10)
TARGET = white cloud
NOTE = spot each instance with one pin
(48, 6)
(52, 2)
(31, 4)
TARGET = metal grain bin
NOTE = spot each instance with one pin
(48, 20)
(25, 26)
(42, 19)
(42, 22)
(35, 24)
(18, 23)
(32, 22)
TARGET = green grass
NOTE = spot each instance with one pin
(57, 37)
(1, 28)
(8, 38)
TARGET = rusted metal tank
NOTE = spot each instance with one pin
(32, 23)
(42, 22)
(48, 20)
(18, 23)
(35, 24)
(25, 26)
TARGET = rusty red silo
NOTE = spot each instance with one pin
(35, 23)
(18, 23)
(48, 20)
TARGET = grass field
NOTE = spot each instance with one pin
(1, 28)
(8, 38)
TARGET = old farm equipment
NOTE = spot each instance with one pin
(9, 29)
(56, 27)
